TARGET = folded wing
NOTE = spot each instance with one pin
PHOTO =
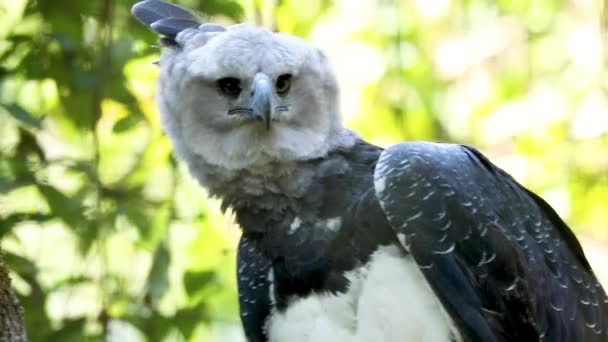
(500, 260)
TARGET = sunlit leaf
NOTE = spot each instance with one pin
(160, 225)
(158, 278)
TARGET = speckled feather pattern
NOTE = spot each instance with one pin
(494, 253)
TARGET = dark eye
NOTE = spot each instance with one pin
(229, 86)
(283, 84)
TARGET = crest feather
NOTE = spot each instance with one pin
(169, 20)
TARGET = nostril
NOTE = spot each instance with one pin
(252, 93)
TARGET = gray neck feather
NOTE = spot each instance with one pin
(286, 179)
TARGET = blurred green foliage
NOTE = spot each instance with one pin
(107, 236)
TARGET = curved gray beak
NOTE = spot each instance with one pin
(261, 98)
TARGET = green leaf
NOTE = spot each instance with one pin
(14, 173)
(66, 208)
(154, 326)
(151, 229)
(136, 215)
(160, 224)
(197, 281)
(28, 144)
(84, 166)
(187, 319)
(158, 278)
(71, 330)
(22, 116)
(20, 265)
(126, 123)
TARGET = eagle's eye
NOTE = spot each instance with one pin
(283, 84)
(229, 86)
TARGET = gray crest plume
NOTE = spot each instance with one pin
(169, 20)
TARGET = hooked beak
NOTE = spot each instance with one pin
(261, 98)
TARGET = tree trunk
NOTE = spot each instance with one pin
(11, 312)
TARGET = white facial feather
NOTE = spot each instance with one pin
(195, 114)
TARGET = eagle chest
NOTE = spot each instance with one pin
(386, 299)
(346, 278)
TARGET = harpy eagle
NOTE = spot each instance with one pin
(343, 240)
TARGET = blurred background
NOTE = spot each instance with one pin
(108, 238)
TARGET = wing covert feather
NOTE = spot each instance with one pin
(502, 263)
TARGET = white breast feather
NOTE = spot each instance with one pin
(388, 300)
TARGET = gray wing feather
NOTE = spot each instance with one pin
(502, 263)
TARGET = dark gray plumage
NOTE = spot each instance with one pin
(345, 241)
(500, 259)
